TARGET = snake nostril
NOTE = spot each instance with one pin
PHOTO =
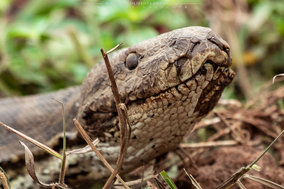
(141, 57)
(203, 70)
(215, 66)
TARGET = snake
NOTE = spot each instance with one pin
(168, 84)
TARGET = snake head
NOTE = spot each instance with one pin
(177, 63)
(174, 57)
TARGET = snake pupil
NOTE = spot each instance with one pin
(131, 61)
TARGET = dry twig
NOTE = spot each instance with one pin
(4, 180)
(122, 116)
(88, 140)
(209, 144)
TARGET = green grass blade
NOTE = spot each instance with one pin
(254, 162)
(168, 180)
(63, 163)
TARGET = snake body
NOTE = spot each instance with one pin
(168, 84)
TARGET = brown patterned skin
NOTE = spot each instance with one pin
(179, 78)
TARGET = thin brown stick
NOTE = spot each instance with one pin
(138, 181)
(186, 158)
(111, 76)
(4, 180)
(63, 163)
(235, 128)
(206, 123)
(113, 48)
(88, 140)
(209, 144)
(142, 178)
(63, 170)
(192, 179)
(263, 181)
(122, 116)
(233, 179)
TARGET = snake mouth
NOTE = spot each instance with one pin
(209, 80)
(205, 85)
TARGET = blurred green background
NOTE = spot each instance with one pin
(48, 45)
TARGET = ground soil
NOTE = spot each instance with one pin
(224, 162)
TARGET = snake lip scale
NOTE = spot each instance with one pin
(168, 83)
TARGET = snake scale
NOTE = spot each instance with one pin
(168, 84)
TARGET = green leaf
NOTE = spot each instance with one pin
(168, 180)
(256, 167)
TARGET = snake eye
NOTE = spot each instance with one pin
(131, 61)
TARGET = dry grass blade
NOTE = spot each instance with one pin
(241, 185)
(192, 179)
(122, 116)
(209, 144)
(233, 179)
(235, 128)
(29, 158)
(279, 75)
(151, 185)
(263, 181)
(113, 48)
(240, 173)
(4, 179)
(42, 146)
(63, 186)
(255, 161)
(157, 181)
(146, 179)
(63, 171)
(138, 181)
(142, 178)
(83, 150)
(206, 123)
(63, 163)
(89, 142)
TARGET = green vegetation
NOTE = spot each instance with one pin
(48, 45)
